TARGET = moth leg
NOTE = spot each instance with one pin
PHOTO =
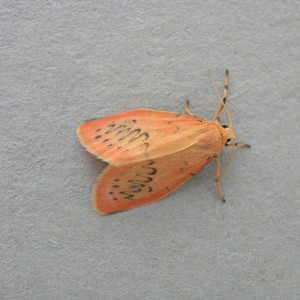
(187, 109)
(217, 177)
(225, 95)
(242, 145)
(239, 145)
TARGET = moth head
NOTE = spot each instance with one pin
(228, 135)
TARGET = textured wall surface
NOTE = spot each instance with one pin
(63, 62)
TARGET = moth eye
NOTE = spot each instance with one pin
(228, 140)
(224, 126)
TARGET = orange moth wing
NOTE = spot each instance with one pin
(140, 134)
(139, 183)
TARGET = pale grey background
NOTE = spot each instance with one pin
(63, 62)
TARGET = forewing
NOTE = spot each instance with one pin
(139, 135)
(128, 186)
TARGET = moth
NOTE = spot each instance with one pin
(151, 153)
